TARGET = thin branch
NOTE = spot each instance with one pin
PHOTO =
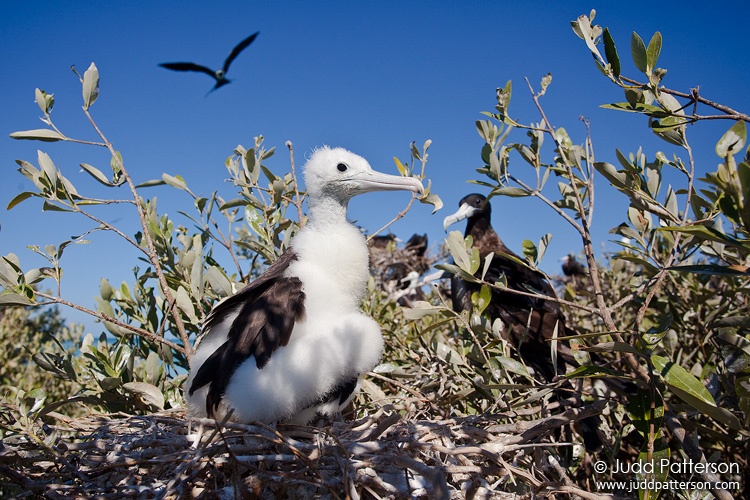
(153, 256)
(96, 314)
(694, 96)
(297, 199)
(588, 246)
(400, 215)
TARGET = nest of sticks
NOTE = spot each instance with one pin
(382, 455)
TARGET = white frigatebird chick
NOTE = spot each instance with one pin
(529, 322)
(294, 342)
(219, 75)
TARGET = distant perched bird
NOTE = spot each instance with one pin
(219, 75)
(294, 342)
(397, 270)
(529, 322)
(571, 267)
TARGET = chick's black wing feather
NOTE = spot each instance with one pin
(267, 310)
(239, 48)
(185, 66)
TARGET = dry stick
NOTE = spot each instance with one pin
(696, 454)
(730, 113)
(108, 319)
(400, 215)
(153, 257)
(297, 198)
(590, 171)
(585, 231)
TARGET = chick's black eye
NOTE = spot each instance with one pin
(342, 167)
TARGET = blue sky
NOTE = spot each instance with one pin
(368, 76)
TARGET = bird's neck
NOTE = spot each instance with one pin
(326, 211)
(485, 238)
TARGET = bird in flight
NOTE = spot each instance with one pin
(219, 75)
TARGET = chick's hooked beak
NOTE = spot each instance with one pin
(372, 180)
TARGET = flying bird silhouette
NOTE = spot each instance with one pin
(219, 75)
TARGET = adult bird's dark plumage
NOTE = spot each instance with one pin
(530, 322)
(294, 342)
(571, 267)
(219, 75)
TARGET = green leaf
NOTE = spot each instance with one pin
(148, 394)
(458, 251)
(96, 174)
(8, 299)
(610, 52)
(419, 309)
(653, 51)
(617, 179)
(639, 410)
(400, 166)
(677, 376)
(515, 192)
(44, 100)
(709, 234)
(19, 198)
(185, 304)
(151, 183)
(529, 250)
(90, 86)
(175, 181)
(646, 109)
(638, 51)
(546, 80)
(652, 472)
(41, 134)
(612, 347)
(218, 281)
(709, 270)
(732, 141)
(434, 200)
(52, 207)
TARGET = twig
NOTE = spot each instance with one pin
(694, 96)
(153, 255)
(96, 314)
(400, 215)
(297, 199)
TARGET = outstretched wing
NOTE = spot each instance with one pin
(239, 48)
(185, 66)
(266, 311)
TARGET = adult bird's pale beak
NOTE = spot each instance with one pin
(464, 211)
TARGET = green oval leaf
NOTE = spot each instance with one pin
(677, 376)
(41, 134)
(90, 86)
(653, 51)
(96, 174)
(19, 198)
(610, 52)
(732, 141)
(638, 51)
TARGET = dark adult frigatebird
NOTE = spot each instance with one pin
(530, 322)
(219, 75)
(571, 267)
(294, 342)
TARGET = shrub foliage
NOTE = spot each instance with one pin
(665, 318)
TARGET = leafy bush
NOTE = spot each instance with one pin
(668, 313)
